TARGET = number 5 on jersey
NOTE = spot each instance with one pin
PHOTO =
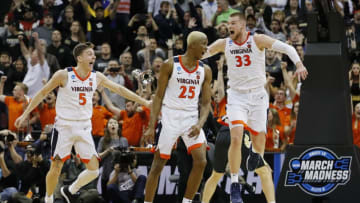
(191, 93)
(82, 99)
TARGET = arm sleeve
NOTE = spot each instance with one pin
(286, 49)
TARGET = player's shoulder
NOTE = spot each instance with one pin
(168, 64)
(61, 74)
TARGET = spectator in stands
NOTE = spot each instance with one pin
(10, 39)
(47, 111)
(166, 23)
(38, 68)
(209, 9)
(99, 118)
(154, 6)
(105, 56)
(62, 52)
(5, 62)
(138, 43)
(29, 21)
(47, 28)
(147, 55)
(273, 67)
(15, 74)
(15, 104)
(134, 119)
(126, 60)
(117, 74)
(223, 12)
(251, 24)
(275, 31)
(125, 184)
(51, 6)
(77, 35)
(51, 59)
(356, 125)
(275, 138)
(80, 7)
(283, 111)
(354, 78)
(64, 22)
(100, 22)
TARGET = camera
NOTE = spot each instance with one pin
(124, 158)
(7, 138)
(145, 77)
(114, 69)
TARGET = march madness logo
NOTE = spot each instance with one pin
(318, 171)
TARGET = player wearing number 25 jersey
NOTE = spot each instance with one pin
(73, 118)
(181, 80)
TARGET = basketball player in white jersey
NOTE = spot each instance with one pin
(247, 99)
(73, 118)
(182, 78)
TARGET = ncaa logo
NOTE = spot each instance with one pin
(72, 76)
(318, 171)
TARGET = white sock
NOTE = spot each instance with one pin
(49, 199)
(84, 178)
(272, 202)
(234, 178)
(147, 202)
(186, 200)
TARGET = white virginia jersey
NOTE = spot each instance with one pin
(74, 101)
(184, 87)
(246, 64)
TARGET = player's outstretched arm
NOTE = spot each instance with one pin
(216, 47)
(120, 90)
(165, 73)
(263, 41)
(204, 104)
(58, 79)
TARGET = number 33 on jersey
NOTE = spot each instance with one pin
(184, 86)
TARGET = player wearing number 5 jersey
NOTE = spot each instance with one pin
(181, 81)
(247, 99)
(73, 118)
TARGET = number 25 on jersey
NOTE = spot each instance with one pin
(243, 61)
(185, 89)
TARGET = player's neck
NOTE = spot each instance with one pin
(82, 70)
(189, 61)
(243, 36)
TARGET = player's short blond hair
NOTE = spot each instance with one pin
(195, 36)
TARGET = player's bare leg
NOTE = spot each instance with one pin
(197, 171)
(153, 177)
(258, 144)
(234, 157)
(89, 174)
(52, 178)
(210, 186)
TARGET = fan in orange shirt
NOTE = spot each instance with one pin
(275, 138)
(134, 119)
(15, 104)
(279, 105)
(47, 111)
(99, 118)
(356, 125)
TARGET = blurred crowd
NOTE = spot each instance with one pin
(132, 39)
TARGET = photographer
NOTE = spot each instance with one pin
(111, 140)
(125, 184)
(8, 158)
(117, 74)
(36, 168)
